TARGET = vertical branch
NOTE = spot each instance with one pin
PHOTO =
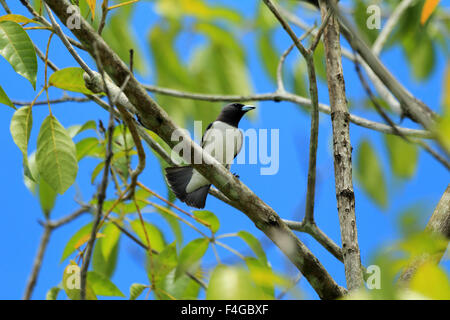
(101, 191)
(342, 151)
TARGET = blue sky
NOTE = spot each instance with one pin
(284, 191)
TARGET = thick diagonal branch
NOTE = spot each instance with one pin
(439, 223)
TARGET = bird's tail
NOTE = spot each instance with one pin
(178, 179)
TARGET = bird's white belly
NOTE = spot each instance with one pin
(221, 141)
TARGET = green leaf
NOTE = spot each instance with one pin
(136, 289)
(190, 255)
(208, 217)
(431, 281)
(52, 294)
(30, 173)
(5, 99)
(70, 79)
(403, 156)
(104, 259)
(162, 264)
(77, 128)
(182, 288)
(421, 54)
(99, 168)
(254, 244)
(102, 286)
(370, 174)
(47, 197)
(173, 222)
(17, 48)
(72, 283)
(232, 283)
(88, 147)
(56, 155)
(300, 85)
(17, 18)
(155, 236)
(120, 36)
(21, 123)
(70, 246)
(269, 55)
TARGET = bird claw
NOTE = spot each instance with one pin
(236, 175)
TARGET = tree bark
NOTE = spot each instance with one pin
(342, 151)
(439, 223)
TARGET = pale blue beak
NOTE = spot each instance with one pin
(247, 108)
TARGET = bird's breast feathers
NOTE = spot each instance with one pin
(222, 141)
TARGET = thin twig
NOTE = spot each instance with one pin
(37, 262)
(101, 191)
(304, 102)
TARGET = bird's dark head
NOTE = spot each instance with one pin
(233, 112)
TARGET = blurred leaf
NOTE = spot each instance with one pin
(17, 18)
(370, 174)
(232, 283)
(56, 155)
(300, 84)
(428, 9)
(200, 9)
(254, 244)
(120, 36)
(52, 294)
(173, 223)
(102, 286)
(403, 156)
(104, 259)
(360, 14)
(182, 288)
(208, 217)
(443, 123)
(70, 245)
(431, 281)
(71, 283)
(269, 54)
(136, 289)
(155, 236)
(420, 51)
(163, 263)
(190, 255)
(17, 48)
(88, 147)
(47, 197)
(4, 99)
(70, 79)
(77, 128)
(92, 4)
(319, 61)
(99, 168)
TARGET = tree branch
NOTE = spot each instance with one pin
(439, 223)
(342, 151)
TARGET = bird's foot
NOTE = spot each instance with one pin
(236, 175)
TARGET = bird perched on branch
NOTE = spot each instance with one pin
(223, 141)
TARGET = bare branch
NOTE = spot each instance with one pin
(342, 151)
